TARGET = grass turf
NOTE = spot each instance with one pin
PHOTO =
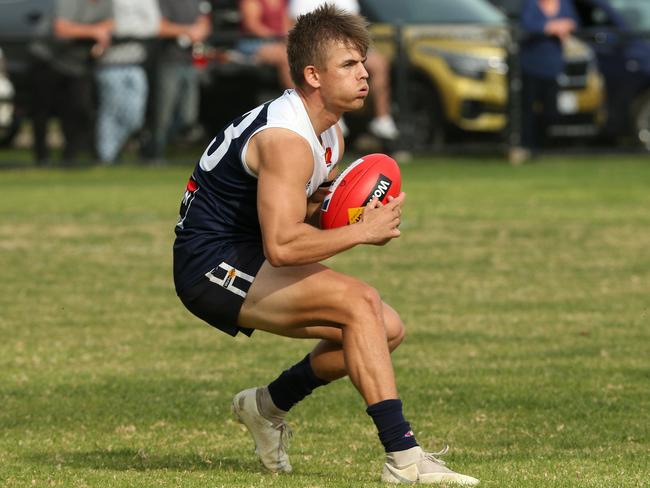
(525, 292)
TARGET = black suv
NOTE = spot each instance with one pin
(618, 31)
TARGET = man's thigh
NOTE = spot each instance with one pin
(283, 300)
(392, 323)
(376, 62)
(271, 52)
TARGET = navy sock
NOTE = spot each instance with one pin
(394, 431)
(294, 384)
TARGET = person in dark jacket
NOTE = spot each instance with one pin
(545, 25)
(62, 75)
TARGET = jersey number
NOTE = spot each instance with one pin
(221, 143)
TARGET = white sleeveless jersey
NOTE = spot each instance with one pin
(287, 112)
(219, 206)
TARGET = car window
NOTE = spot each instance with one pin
(593, 16)
(432, 11)
(25, 18)
(512, 8)
(635, 12)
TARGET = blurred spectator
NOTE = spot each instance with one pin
(545, 24)
(6, 99)
(121, 79)
(382, 125)
(61, 75)
(184, 24)
(265, 24)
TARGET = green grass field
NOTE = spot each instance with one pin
(525, 292)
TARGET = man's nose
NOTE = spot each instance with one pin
(363, 72)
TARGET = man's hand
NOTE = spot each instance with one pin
(561, 27)
(199, 30)
(102, 33)
(381, 222)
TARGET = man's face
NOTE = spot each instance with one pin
(344, 79)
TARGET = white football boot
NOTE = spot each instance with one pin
(384, 127)
(271, 439)
(416, 466)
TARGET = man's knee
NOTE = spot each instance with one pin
(362, 304)
(395, 330)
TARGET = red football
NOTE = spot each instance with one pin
(375, 175)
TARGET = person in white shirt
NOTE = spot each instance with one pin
(382, 125)
(122, 83)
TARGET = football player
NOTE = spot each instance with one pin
(245, 258)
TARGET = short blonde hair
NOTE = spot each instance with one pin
(311, 37)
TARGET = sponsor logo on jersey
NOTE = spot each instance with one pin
(328, 156)
(380, 189)
(230, 275)
(231, 278)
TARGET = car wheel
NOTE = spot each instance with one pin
(422, 125)
(642, 120)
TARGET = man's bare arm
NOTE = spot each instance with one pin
(198, 31)
(284, 164)
(100, 32)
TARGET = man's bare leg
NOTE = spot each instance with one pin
(275, 54)
(383, 124)
(378, 68)
(357, 332)
(327, 359)
(282, 300)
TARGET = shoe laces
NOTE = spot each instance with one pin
(433, 456)
(285, 434)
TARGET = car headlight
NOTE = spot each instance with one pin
(6, 88)
(467, 65)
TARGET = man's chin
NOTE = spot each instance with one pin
(357, 104)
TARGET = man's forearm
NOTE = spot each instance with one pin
(66, 29)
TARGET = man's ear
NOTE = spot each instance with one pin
(312, 76)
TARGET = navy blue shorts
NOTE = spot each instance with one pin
(218, 296)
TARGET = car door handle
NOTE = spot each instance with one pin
(34, 17)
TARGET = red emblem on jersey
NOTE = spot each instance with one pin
(328, 156)
(188, 197)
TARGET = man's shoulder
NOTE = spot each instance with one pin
(288, 112)
(183, 10)
(279, 147)
(281, 135)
